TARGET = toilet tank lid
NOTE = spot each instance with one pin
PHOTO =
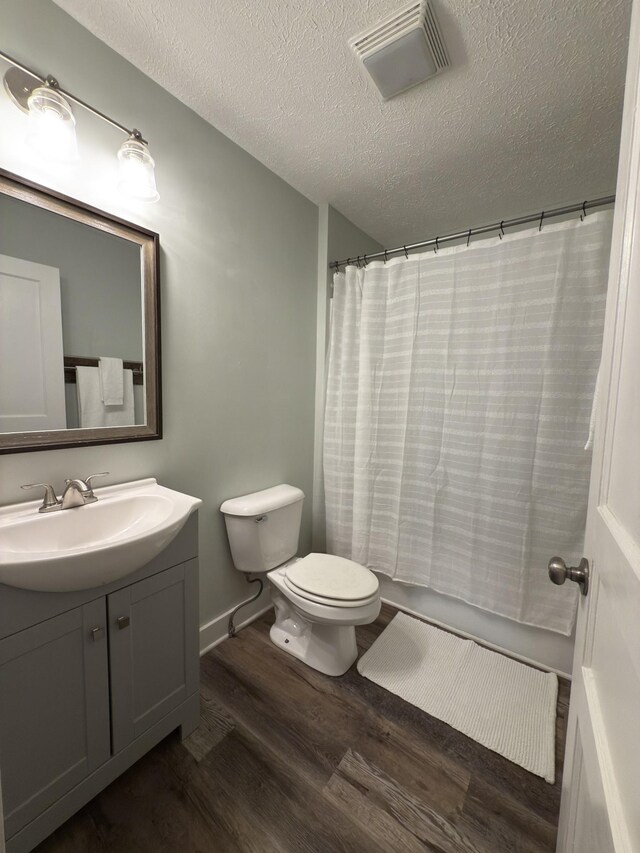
(264, 501)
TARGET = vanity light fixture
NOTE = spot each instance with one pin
(137, 172)
(52, 129)
(52, 126)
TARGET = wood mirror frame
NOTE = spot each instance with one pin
(149, 243)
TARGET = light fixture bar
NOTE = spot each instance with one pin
(19, 65)
(51, 81)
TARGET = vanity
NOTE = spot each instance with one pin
(98, 646)
(98, 592)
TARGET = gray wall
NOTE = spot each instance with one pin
(338, 238)
(346, 240)
(238, 275)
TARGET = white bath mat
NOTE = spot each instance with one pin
(504, 705)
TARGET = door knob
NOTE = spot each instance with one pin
(559, 572)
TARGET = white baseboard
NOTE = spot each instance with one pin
(214, 632)
(476, 639)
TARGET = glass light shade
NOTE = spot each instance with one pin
(137, 171)
(52, 126)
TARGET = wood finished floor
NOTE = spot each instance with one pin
(287, 760)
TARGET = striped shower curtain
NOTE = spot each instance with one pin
(460, 387)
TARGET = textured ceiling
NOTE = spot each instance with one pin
(527, 116)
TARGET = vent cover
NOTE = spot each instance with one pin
(402, 50)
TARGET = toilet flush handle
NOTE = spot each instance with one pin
(261, 518)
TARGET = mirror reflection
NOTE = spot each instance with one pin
(71, 324)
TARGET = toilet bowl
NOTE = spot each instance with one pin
(319, 629)
(318, 599)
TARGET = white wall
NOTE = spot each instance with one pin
(238, 291)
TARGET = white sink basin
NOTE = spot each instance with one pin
(91, 545)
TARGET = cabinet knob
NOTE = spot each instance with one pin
(97, 633)
(123, 622)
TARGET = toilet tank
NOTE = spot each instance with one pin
(264, 527)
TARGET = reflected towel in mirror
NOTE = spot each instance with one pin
(92, 411)
(111, 381)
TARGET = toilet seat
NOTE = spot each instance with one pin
(330, 580)
(329, 602)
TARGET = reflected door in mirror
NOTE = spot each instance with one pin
(32, 393)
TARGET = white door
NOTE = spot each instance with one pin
(31, 359)
(600, 811)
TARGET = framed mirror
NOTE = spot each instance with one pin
(79, 323)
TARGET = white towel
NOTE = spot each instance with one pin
(92, 412)
(111, 381)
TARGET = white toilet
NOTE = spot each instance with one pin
(318, 599)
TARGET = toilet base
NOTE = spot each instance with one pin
(325, 648)
(330, 649)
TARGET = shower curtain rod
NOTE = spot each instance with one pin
(483, 229)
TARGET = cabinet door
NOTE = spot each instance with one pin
(153, 638)
(54, 710)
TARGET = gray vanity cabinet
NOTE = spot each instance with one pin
(54, 711)
(90, 681)
(153, 639)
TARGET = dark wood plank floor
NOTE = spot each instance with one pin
(287, 760)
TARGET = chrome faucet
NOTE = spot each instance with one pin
(76, 493)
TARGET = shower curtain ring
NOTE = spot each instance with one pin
(358, 261)
(584, 211)
(501, 233)
(385, 256)
(406, 254)
(541, 218)
(436, 247)
(468, 237)
(364, 261)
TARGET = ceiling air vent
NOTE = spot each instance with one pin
(402, 50)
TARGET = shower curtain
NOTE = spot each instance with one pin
(459, 395)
